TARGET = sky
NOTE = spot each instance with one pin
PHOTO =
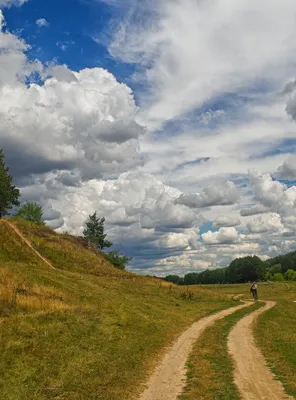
(176, 121)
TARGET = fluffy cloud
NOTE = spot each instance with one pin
(277, 197)
(14, 65)
(202, 49)
(75, 140)
(226, 222)
(211, 196)
(86, 119)
(42, 22)
(272, 193)
(288, 169)
(132, 198)
(223, 236)
(268, 222)
(268, 192)
(86, 124)
(188, 239)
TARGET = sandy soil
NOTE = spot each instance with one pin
(169, 377)
(27, 243)
(252, 376)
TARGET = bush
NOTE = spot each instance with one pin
(118, 261)
(275, 269)
(31, 212)
(290, 275)
(278, 277)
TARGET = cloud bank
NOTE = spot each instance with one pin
(191, 175)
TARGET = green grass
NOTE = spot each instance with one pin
(276, 336)
(275, 329)
(84, 330)
(210, 368)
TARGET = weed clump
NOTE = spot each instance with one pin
(187, 295)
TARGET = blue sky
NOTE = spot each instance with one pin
(168, 119)
(74, 24)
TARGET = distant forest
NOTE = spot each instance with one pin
(242, 270)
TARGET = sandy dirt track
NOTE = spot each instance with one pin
(169, 377)
(252, 376)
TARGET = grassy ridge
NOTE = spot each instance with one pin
(210, 369)
(84, 330)
(275, 329)
(63, 251)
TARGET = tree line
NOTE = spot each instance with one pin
(242, 270)
(94, 231)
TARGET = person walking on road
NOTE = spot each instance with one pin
(254, 290)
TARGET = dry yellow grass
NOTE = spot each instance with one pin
(17, 293)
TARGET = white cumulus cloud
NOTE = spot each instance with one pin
(288, 169)
(268, 222)
(82, 120)
(269, 192)
(211, 196)
(223, 236)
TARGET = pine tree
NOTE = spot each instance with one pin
(9, 194)
(94, 231)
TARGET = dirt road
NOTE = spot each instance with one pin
(169, 378)
(252, 376)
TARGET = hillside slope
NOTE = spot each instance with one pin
(82, 329)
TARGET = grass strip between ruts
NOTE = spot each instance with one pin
(210, 367)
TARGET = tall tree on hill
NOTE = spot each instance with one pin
(32, 212)
(9, 194)
(94, 231)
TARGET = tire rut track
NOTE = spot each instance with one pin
(169, 377)
(252, 377)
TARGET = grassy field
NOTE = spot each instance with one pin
(84, 330)
(210, 368)
(275, 330)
